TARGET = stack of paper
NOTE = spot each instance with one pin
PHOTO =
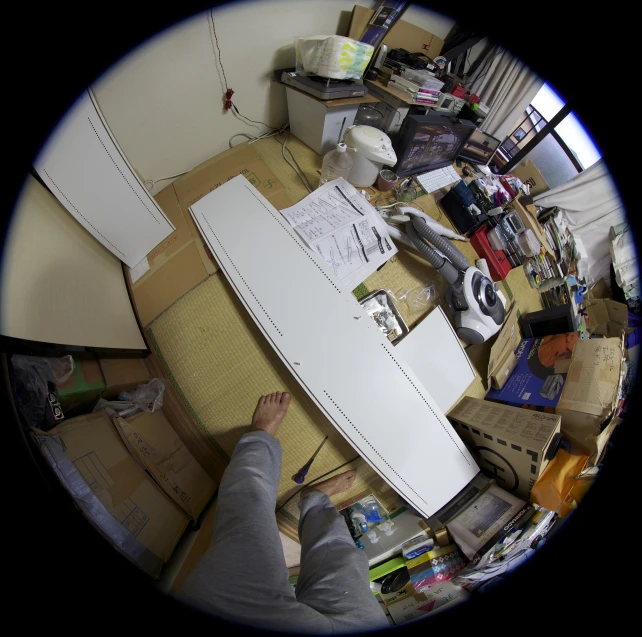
(337, 223)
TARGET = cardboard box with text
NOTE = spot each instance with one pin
(512, 445)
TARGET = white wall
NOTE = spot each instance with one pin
(164, 101)
(60, 285)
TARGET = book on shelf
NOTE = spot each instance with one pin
(413, 87)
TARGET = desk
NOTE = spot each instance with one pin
(218, 362)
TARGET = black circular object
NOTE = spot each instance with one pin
(395, 581)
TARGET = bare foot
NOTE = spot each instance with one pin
(270, 411)
(335, 484)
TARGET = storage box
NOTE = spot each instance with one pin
(511, 445)
(122, 375)
(591, 391)
(502, 353)
(538, 377)
(183, 260)
(79, 393)
(529, 174)
(606, 317)
(498, 264)
(112, 490)
(318, 123)
(154, 443)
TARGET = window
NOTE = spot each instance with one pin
(563, 151)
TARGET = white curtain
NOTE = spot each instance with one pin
(590, 204)
(507, 86)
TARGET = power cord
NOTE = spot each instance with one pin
(297, 169)
(153, 182)
(229, 92)
(315, 480)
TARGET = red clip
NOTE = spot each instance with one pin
(228, 99)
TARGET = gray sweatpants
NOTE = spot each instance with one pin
(243, 577)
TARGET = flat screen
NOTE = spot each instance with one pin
(428, 142)
(479, 148)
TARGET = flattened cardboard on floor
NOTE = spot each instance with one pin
(183, 260)
(112, 490)
(154, 443)
(122, 374)
(591, 390)
(511, 444)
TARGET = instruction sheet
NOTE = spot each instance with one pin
(344, 229)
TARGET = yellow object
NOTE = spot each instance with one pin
(559, 488)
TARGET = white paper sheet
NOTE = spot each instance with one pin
(342, 227)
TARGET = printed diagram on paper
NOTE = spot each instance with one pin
(342, 227)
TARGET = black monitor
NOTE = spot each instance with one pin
(480, 148)
(431, 141)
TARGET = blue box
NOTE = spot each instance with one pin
(538, 377)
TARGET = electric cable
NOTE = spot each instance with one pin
(316, 480)
(297, 169)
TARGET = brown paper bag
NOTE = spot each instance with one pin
(562, 485)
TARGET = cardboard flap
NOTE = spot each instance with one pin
(155, 444)
(507, 341)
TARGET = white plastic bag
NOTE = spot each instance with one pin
(332, 56)
(147, 397)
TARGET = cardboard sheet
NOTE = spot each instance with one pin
(591, 390)
(113, 490)
(152, 441)
(183, 260)
(122, 374)
(86, 170)
(502, 353)
(435, 354)
(326, 339)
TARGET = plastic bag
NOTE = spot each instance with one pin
(31, 375)
(146, 397)
(332, 56)
(420, 299)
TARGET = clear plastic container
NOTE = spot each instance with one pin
(423, 79)
(528, 242)
(496, 239)
(336, 163)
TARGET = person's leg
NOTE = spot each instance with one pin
(243, 577)
(334, 572)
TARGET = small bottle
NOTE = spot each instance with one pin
(336, 163)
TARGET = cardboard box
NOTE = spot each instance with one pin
(538, 377)
(154, 443)
(527, 214)
(403, 34)
(414, 605)
(79, 393)
(112, 490)
(183, 260)
(591, 390)
(606, 317)
(529, 174)
(122, 374)
(511, 445)
(502, 353)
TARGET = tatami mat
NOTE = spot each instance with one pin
(220, 363)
